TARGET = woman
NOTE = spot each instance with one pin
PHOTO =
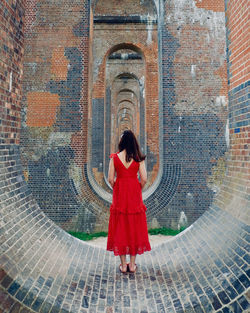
(127, 233)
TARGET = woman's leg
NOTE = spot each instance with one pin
(132, 263)
(123, 262)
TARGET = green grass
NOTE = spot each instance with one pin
(165, 231)
(156, 231)
(86, 236)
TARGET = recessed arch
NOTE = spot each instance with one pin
(125, 100)
(125, 110)
(128, 90)
(124, 92)
(127, 76)
(123, 62)
(125, 88)
(124, 45)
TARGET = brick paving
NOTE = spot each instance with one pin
(43, 269)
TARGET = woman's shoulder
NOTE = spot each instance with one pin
(112, 155)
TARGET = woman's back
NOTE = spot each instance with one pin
(124, 169)
(127, 195)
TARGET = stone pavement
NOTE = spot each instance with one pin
(203, 269)
(44, 269)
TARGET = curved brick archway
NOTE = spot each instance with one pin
(43, 269)
(141, 61)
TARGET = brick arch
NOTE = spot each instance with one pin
(118, 94)
(125, 45)
(99, 86)
(146, 48)
(99, 89)
(120, 91)
(127, 74)
(129, 106)
(125, 100)
(150, 106)
(129, 90)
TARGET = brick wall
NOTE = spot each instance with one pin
(194, 109)
(55, 111)
(235, 189)
(11, 70)
(69, 102)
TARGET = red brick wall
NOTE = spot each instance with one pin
(55, 36)
(237, 15)
(235, 191)
(214, 5)
(200, 60)
(11, 69)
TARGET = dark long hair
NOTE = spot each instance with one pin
(129, 142)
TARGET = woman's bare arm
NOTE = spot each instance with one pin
(143, 174)
(111, 172)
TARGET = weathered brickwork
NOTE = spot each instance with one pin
(55, 111)
(235, 190)
(194, 98)
(11, 53)
(98, 70)
(203, 156)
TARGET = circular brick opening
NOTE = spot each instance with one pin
(44, 269)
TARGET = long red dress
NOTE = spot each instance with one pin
(127, 232)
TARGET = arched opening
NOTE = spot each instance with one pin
(124, 69)
(125, 92)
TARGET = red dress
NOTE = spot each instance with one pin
(127, 233)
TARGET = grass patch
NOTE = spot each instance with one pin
(156, 231)
(165, 231)
(86, 236)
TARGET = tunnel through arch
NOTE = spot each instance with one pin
(137, 24)
(120, 96)
(127, 62)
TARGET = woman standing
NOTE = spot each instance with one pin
(127, 233)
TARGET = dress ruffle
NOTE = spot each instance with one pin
(128, 234)
(118, 250)
(125, 210)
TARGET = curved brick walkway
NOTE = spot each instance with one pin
(43, 269)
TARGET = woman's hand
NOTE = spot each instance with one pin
(113, 185)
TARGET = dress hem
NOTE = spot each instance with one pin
(128, 251)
